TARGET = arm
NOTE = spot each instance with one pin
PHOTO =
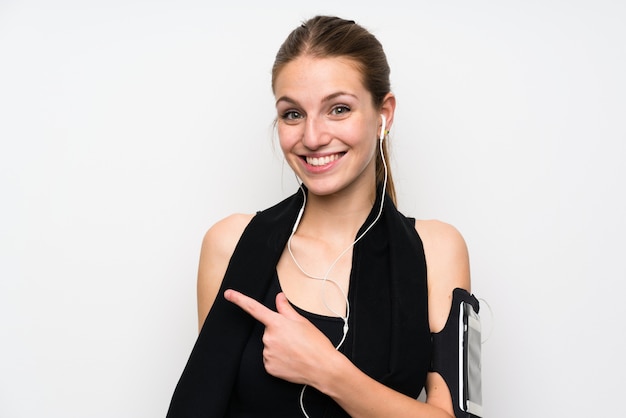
(218, 246)
(448, 268)
(296, 351)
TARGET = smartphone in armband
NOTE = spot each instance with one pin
(456, 355)
(470, 387)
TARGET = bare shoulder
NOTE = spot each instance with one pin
(218, 246)
(447, 262)
(441, 239)
(222, 237)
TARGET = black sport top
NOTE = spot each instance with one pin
(388, 339)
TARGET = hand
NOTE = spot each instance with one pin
(295, 350)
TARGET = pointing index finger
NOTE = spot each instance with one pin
(255, 309)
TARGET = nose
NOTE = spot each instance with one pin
(315, 133)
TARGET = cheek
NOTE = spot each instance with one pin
(288, 136)
(365, 139)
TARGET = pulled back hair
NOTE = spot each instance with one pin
(329, 36)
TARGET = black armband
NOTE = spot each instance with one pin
(456, 355)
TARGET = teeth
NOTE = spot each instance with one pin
(316, 162)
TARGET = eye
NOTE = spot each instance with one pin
(339, 110)
(291, 115)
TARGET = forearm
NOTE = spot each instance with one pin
(363, 397)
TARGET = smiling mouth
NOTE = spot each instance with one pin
(322, 161)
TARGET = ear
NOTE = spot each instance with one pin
(388, 108)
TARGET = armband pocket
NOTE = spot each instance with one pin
(456, 355)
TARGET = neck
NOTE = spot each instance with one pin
(338, 215)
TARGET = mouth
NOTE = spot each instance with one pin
(322, 161)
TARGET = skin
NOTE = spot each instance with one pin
(324, 111)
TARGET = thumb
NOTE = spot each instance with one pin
(283, 307)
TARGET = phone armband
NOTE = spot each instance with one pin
(456, 355)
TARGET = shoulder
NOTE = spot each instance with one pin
(441, 240)
(223, 236)
(447, 263)
(218, 245)
(220, 240)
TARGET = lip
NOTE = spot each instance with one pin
(318, 163)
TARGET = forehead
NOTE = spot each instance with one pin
(319, 76)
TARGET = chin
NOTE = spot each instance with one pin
(326, 189)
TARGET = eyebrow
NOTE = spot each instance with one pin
(325, 99)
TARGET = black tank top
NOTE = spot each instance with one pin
(258, 394)
(389, 337)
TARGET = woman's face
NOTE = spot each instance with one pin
(327, 124)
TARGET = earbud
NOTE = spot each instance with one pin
(383, 127)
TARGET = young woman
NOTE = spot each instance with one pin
(324, 305)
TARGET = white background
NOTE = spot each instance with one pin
(127, 128)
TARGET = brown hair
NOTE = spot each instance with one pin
(329, 36)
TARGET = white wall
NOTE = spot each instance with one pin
(128, 127)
